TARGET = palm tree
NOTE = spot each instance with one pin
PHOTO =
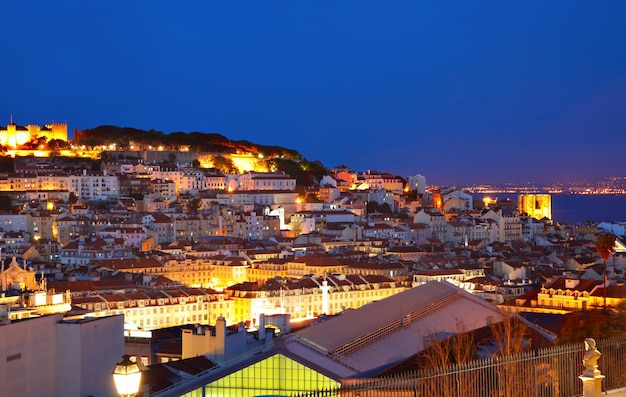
(605, 245)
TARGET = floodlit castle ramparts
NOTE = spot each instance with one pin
(14, 135)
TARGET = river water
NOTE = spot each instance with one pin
(577, 208)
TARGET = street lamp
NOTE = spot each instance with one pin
(127, 376)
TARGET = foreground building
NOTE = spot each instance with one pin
(50, 356)
(321, 356)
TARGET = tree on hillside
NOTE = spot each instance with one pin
(7, 163)
(315, 168)
(579, 325)
(36, 143)
(6, 203)
(293, 169)
(193, 205)
(374, 207)
(605, 245)
(54, 145)
(312, 198)
(224, 165)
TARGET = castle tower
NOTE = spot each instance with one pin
(14, 135)
(537, 206)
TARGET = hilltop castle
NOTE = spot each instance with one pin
(14, 135)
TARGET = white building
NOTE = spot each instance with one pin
(462, 231)
(531, 227)
(14, 222)
(94, 186)
(618, 229)
(166, 308)
(195, 180)
(509, 224)
(435, 219)
(52, 181)
(459, 200)
(133, 236)
(273, 198)
(417, 182)
(266, 181)
(50, 357)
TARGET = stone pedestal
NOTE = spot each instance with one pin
(592, 386)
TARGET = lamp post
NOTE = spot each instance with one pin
(127, 376)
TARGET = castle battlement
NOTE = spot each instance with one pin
(15, 136)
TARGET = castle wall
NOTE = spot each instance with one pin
(14, 135)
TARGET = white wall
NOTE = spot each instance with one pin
(87, 353)
(27, 352)
(47, 357)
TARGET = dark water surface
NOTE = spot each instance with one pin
(575, 208)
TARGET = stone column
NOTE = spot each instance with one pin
(591, 376)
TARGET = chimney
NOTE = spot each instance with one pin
(261, 326)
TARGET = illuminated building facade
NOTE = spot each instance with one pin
(266, 181)
(537, 206)
(161, 309)
(42, 225)
(188, 271)
(375, 180)
(14, 135)
(309, 299)
(567, 295)
(43, 181)
(437, 200)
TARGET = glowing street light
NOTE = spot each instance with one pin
(127, 376)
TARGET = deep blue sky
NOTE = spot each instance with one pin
(461, 92)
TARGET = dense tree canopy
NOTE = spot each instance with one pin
(224, 165)
(6, 204)
(200, 141)
(304, 172)
(597, 324)
(605, 245)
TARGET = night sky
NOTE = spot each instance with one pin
(461, 92)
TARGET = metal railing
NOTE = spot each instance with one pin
(549, 372)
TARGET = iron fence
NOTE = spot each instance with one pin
(549, 372)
